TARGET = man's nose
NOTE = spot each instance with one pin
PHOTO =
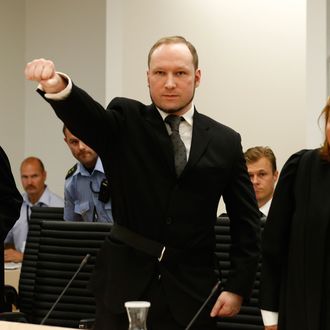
(254, 179)
(29, 181)
(170, 81)
(82, 145)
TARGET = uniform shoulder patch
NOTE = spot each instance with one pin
(71, 171)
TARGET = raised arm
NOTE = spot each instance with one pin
(43, 71)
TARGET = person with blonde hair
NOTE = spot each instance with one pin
(262, 169)
(168, 166)
(295, 286)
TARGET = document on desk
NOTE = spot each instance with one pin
(12, 265)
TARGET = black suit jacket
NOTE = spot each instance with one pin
(148, 198)
(10, 206)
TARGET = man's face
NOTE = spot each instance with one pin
(172, 78)
(80, 150)
(263, 179)
(33, 179)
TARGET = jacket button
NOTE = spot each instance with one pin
(168, 220)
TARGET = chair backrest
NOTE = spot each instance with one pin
(249, 318)
(28, 270)
(47, 213)
(62, 247)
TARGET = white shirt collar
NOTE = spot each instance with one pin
(188, 116)
(265, 208)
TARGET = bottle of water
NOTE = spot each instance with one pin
(137, 314)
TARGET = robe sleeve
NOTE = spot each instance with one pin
(276, 234)
(10, 197)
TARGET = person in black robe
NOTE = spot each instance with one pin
(10, 206)
(296, 243)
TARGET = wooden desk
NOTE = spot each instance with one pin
(12, 277)
(26, 326)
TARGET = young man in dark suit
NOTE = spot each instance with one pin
(167, 179)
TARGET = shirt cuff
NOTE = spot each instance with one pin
(62, 94)
(269, 318)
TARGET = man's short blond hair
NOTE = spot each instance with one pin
(175, 40)
(255, 153)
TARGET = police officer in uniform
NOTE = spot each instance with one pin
(86, 189)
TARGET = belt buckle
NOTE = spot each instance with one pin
(162, 254)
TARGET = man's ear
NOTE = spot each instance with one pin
(198, 75)
(148, 78)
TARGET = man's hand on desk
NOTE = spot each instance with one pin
(11, 255)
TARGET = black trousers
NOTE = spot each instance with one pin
(159, 315)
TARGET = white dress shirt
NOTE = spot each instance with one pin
(265, 208)
(185, 128)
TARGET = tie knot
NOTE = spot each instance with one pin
(174, 122)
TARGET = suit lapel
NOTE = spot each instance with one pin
(200, 139)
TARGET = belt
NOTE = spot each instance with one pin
(159, 250)
(144, 244)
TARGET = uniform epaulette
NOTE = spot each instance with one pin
(71, 171)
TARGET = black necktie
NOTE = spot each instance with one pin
(180, 155)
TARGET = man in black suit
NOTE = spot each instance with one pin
(10, 206)
(162, 245)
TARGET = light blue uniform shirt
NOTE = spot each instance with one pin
(81, 196)
(18, 234)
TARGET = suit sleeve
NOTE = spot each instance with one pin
(275, 238)
(87, 119)
(242, 209)
(10, 197)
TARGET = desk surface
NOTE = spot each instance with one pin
(26, 326)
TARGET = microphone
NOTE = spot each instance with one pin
(203, 305)
(82, 264)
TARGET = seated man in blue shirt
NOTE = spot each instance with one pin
(86, 190)
(33, 177)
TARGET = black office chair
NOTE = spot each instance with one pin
(249, 318)
(62, 247)
(53, 253)
(26, 283)
(28, 270)
(47, 213)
